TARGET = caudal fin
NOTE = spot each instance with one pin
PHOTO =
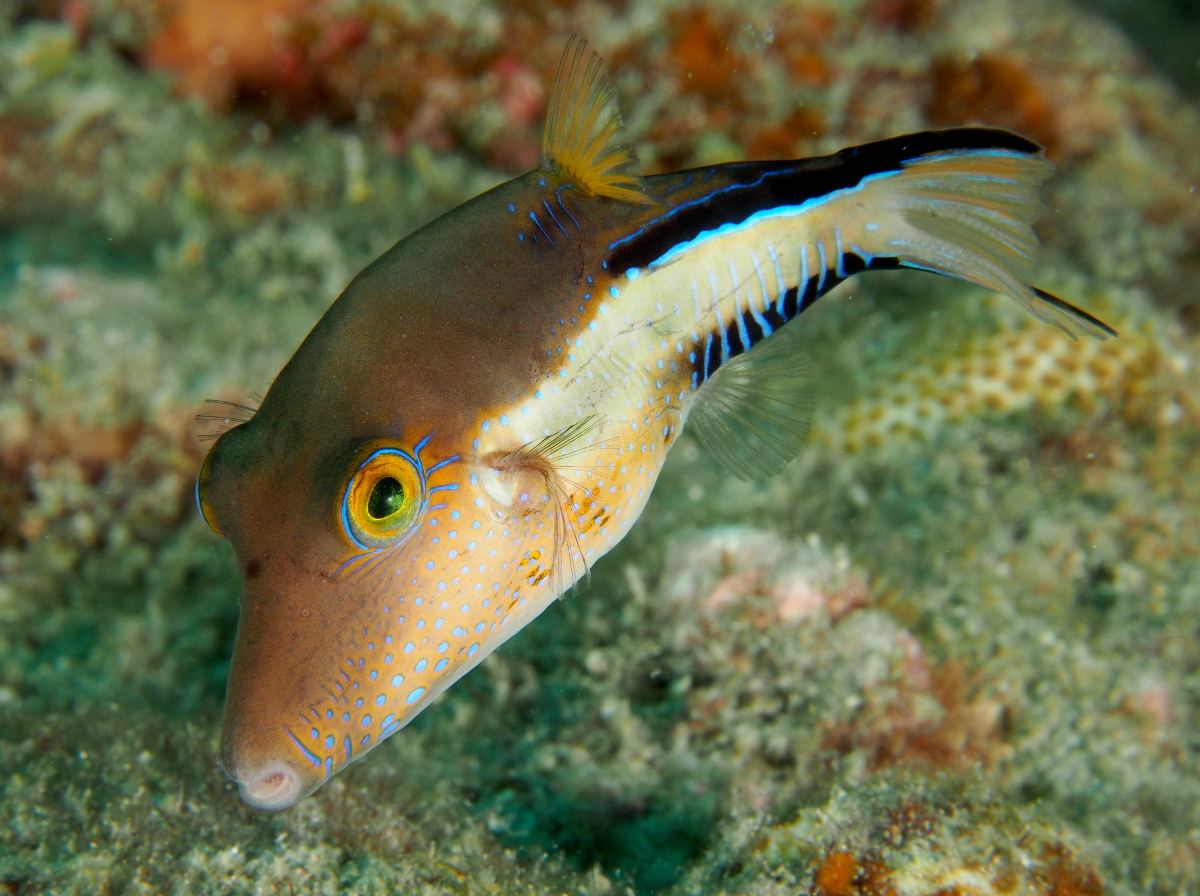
(968, 214)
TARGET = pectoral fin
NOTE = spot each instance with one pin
(754, 413)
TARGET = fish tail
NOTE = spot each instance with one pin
(968, 214)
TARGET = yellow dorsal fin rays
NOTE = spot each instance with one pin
(583, 126)
(754, 413)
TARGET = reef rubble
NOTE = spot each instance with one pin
(950, 651)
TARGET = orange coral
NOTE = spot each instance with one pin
(1061, 875)
(892, 730)
(786, 140)
(841, 874)
(802, 37)
(903, 15)
(702, 56)
(249, 49)
(995, 90)
(835, 875)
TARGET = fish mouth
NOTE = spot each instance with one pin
(274, 785)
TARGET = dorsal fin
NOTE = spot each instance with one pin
(582, 129)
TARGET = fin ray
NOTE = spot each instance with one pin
(754, 413)
(583, 126)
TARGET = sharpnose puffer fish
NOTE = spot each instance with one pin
(483, 412)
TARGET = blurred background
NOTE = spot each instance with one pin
(950, 650)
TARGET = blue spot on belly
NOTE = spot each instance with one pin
(415, 696)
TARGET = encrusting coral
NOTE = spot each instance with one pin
(950, 650)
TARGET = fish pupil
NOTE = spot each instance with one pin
(387, 497)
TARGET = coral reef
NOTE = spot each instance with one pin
(950, 650)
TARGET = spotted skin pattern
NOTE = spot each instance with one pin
(488, 567)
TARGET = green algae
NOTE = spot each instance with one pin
(1012, 696)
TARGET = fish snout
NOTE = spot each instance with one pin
(272, 786)
(269, 783)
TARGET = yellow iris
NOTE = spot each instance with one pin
(382, 499)
(202, 494)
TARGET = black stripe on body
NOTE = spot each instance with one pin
(795, 300)
(740, 189)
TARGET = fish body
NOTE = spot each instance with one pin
(484, 411)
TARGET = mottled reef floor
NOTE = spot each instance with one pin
(951, 650)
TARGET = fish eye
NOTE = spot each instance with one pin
(202, 502)
(382, 499)
(387, 499)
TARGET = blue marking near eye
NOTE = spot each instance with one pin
(421, 664)
(443, 463)
(329, 741)
(397, 680)
(415, 696)
(308, 754)
(441, 664)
